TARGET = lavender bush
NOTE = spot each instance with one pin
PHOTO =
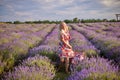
(17, 41)
(80, 43)
(106, 44)
(95, 69)
(49, 47)
(52, 39)
(108, 29)
(33, 68)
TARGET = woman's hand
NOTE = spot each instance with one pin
(69, 46)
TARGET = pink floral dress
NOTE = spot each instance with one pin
(65, 51)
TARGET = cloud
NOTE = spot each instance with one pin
(56, 2)
(57, 9)
(111, 3)
(22, 13)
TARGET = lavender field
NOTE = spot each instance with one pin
(27, 51)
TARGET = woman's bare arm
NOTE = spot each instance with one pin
(66, 43)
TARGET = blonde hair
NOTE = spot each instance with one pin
(63, 26)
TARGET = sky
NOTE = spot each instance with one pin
(30, 10)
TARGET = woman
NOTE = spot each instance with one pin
(65, 47)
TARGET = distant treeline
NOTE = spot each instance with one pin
(74, 20)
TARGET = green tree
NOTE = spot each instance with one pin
(9, 22)
(75, 20)
(17, 22)
(68, 21)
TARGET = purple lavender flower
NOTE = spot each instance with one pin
(105, 43)
(80, 43)
(35, 68)
(95, 68)
(18, 40)
(49, 46)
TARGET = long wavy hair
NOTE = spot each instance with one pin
(62, 26)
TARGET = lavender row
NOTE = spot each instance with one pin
(10, 32)
(80, 43)
(20, 32)
(109, 46)
(104, 24)
(95, 69)
(114, 24)
(50, 46)
(7, 39)
(33, 68)
(52, 39)
(17, 49)
(108, 30)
